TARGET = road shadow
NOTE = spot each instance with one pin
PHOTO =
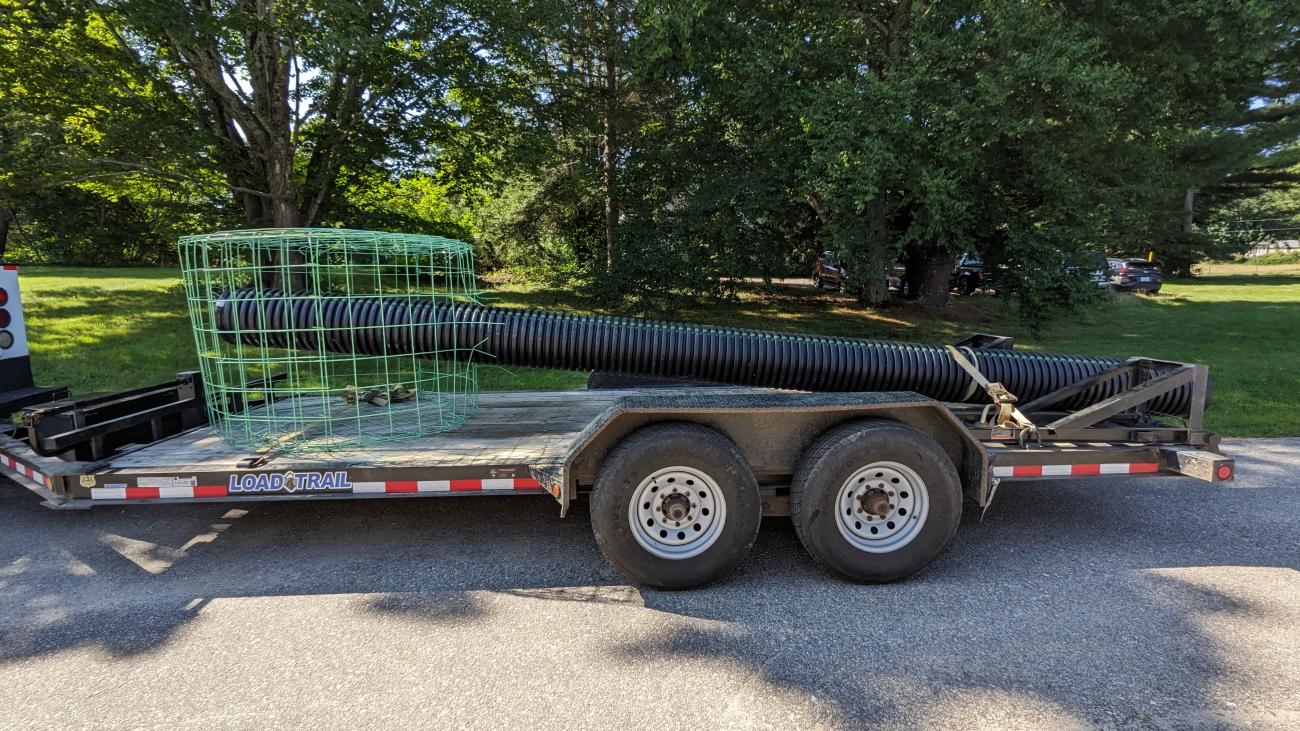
(1065, 591)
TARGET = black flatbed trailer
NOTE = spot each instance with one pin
(746, 453)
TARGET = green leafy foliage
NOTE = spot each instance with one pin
(640, 150)
(1278, 257)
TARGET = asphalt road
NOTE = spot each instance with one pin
(1134, 603)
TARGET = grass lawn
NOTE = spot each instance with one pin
(1228, 268)
(106, 329)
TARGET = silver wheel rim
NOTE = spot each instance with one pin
(677, 512)
(887, 528)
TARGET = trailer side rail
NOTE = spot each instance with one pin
(436, 469)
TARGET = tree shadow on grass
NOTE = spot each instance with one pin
(94, 339)
(132, 314)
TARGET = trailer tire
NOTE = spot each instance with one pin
(877, 472)
(644, 479)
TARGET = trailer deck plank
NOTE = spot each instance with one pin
(527, 427)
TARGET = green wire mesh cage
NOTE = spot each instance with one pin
(270, 380)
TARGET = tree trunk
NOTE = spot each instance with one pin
(609, 161)
(6, 216)
(893, 40)
(875, 290)
(911, 274)
(928, 274)
(870, 266)
(279, 178)
(268, 70)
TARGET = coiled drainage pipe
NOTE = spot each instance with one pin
(374, 326)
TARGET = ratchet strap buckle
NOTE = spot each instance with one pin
(1002, 413)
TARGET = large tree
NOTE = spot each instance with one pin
(576, 111)
(87, 143)
(286, 101)
(650, 145)
(1031, 132)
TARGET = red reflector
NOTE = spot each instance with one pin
(144, 493)
(1141, 467)
(465, 485)
(1085, 469)
(1224, 472)
(401, 487)
(210, 491)
(1027, 470)
(526, 483)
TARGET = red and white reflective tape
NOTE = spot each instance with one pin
(392, 486)
(156, 493)
(417, 486)
(14, 465)
(1077, 470)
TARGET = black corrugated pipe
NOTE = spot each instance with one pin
(369, 326)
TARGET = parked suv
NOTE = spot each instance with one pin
(1127, 275)
(828, 272)
(968, 275)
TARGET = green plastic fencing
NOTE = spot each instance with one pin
(308, 399)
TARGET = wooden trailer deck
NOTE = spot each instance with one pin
(510, 428)
(540, 442)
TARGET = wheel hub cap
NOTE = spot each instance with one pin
(875, 501)
(677, 512)
(676, 507)
(881, 507)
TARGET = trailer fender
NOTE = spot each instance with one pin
(771, 429)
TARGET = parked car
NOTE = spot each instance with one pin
(1100, 274)
(968, 275)
(1127, 275)
(828, 272)
(894, 277)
